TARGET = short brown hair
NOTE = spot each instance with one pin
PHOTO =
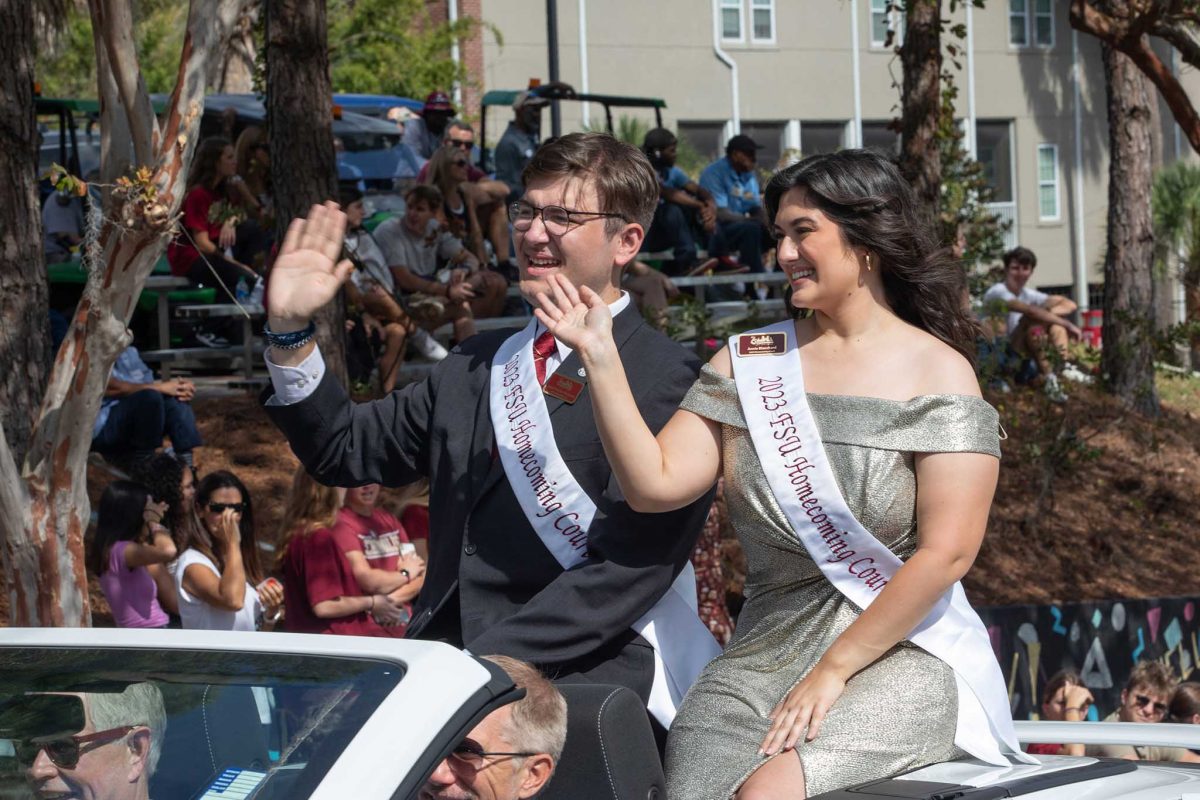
(1185, 703)
(625, 182)
(424, 193)
(539, 720)
(1020, 255)
(1064, 677)
(1153, 676)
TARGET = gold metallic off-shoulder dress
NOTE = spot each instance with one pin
(897, 714)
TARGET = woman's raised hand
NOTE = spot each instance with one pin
(309, 270)
(577, 317)
(228, 529)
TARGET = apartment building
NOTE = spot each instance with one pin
(809, 76)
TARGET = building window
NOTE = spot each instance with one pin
(731, 20)
(821, 137)
(762, 21)
(706, 138)
(886, 15)
(1047, 166)
(880, 137)
(1031, 23)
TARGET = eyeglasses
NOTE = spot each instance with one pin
(558, 220)
(465, 145)
(471, 753)
(65, 753)
(219, 508)
(1142, 701)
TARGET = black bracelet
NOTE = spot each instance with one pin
(292, 340)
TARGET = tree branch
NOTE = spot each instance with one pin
(113, 30)
(13, 496)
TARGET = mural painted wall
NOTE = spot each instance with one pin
(1101, 641)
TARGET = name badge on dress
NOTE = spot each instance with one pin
(762, 344)
(564, 388)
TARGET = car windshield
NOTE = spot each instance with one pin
(269, 725)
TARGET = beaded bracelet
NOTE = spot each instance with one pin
(292, 340)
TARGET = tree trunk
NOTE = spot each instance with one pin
(232, 69)
(24, 324)
(1128, 357)
(44, 506)
(921, 59)
(299, 123)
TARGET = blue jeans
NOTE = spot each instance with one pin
(137, 423)
(745, 236)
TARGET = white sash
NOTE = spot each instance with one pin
(560, 513)
(771, 391)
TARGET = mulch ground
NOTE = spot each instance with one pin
(1093, 502)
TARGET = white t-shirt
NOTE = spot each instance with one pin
(374, 263)
(1000, 293)
(420, 254)
(199, 615)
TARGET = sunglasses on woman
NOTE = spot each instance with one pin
(219, 508)
(65, 753)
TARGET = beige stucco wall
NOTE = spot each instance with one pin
(664, 48)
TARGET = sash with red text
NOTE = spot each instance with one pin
(770, 386)
(560, 513)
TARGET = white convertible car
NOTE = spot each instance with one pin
(286, 716)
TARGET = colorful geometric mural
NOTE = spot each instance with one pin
(1101, 641)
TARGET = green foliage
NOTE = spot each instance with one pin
(631, 130)
(1175, 202)
(67, 67)
(393, 47)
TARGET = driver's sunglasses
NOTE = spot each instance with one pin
(1142, 701)
(65, 753)
(471, 753)
(558, 220)
(219, 508)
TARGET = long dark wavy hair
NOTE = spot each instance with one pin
(204, 170)
(162, 474)
(864, 193)
(222, 479)
(119, 519)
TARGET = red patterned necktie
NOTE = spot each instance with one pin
(543, 346)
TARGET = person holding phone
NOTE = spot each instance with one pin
(218, 577)
(129, 538)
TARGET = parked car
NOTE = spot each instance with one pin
(289, 716)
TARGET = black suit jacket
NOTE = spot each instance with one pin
(491, 585)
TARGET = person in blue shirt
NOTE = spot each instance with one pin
(137, 411)
(684, 206)
(741, 221)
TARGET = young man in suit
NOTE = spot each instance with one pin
(534, 553)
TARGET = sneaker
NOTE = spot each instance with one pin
(428, 347)
(1073, 373)
(210, 339)
(1053, 390)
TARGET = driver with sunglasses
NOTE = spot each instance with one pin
(1144, 699)
(89, 745)
(512, 752)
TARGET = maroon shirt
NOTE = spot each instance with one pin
(315, 570)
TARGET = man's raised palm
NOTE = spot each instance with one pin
(309, 270)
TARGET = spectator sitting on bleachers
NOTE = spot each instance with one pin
(381, 558)
(448, 172)
(372, 288)
(424, 133)
(1144, 699)
(519, 142)
(137, 411)
(681, 204)
(210, 249)
(651, 290)
(1035, 323)
(1065, 698)
(62, 225)
(409, 165)
(490, 196)
(741, 221)
(254, 168)
(320, 591)
(413, 245)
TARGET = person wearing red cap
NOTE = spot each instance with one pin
(424, 133)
